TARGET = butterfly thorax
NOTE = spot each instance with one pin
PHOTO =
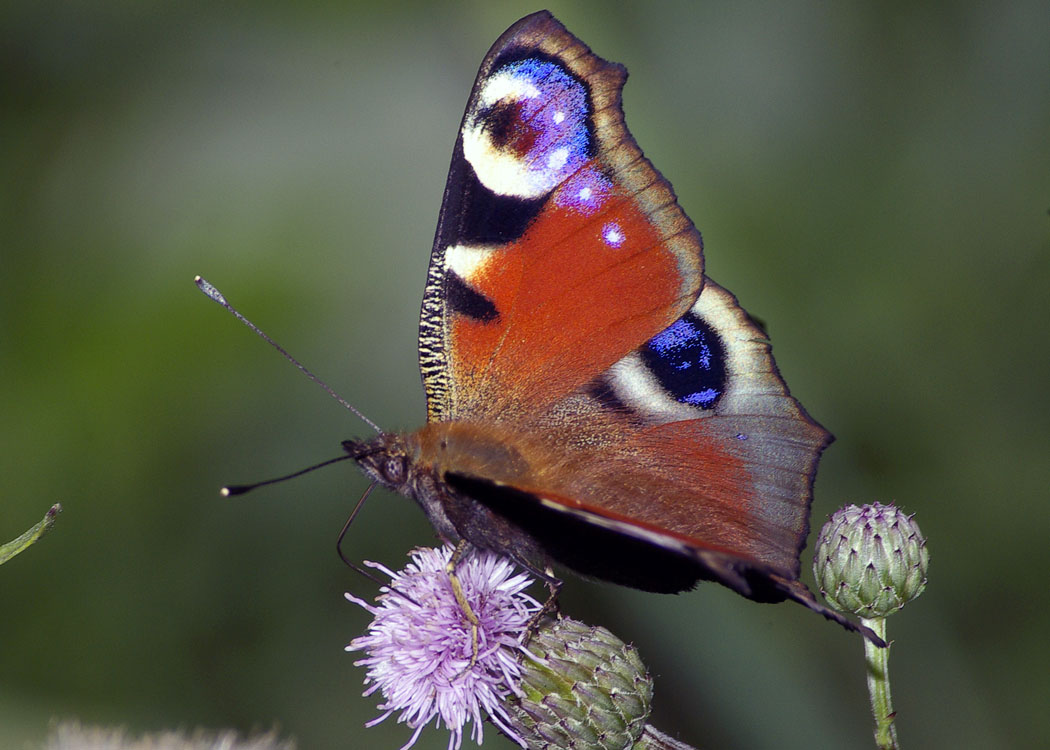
(423, 465)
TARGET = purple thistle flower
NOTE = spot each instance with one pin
(418, 647)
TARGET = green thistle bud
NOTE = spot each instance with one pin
(870, 560)
(588, 689)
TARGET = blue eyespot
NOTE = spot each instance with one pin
(557, 114)
(688, 358)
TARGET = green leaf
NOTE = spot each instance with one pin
(22, 543)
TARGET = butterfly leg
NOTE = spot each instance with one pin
(457, 589)
(549, 608)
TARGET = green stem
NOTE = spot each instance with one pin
(878, 660)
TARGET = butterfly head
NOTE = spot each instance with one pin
(395, 461)
(384, 459)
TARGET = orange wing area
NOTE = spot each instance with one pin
(573, 288)
(751, 495)
(696, 481)
(570, 306)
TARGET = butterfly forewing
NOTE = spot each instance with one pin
(559, 248)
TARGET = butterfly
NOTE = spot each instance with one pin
(593, 399)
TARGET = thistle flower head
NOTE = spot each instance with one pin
(870, 560)
(419, 646)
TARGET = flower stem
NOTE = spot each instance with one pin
(654, 739)
(877, 660)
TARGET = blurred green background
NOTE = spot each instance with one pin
(872, 180)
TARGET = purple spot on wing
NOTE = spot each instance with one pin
(612, 234)
(584, 191)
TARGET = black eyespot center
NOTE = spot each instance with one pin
(503, 122)
(689, 360)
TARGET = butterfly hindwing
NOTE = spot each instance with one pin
(728, 472)
(550, 214)
(655, 479)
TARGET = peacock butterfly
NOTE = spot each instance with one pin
(593, 399)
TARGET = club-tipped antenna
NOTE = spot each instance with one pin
(232, 490)
(218, 297)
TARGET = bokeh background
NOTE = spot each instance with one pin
(872, 180)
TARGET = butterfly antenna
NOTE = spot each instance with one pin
(231, 490)
(218, 297)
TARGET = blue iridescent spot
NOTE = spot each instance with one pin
(705, 399)
(688, 358)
